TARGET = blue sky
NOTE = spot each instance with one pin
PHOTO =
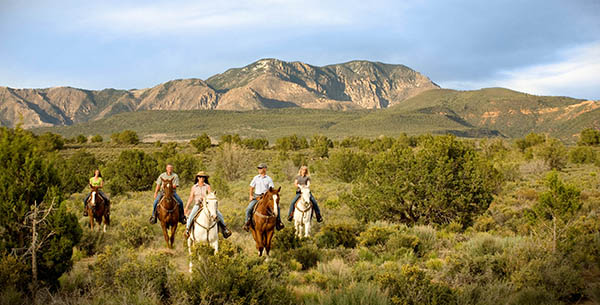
(541, 47)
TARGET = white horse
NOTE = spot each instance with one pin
(303, 212)
(205, 228)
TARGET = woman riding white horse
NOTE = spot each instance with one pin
(303, 179)
(205, 226)
(198, 192)
(303, 212)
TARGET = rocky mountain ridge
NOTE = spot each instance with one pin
(264, 84)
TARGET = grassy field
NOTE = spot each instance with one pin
(500, 259)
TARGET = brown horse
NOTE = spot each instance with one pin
(97, 209)
(264, 219)
(168, 212)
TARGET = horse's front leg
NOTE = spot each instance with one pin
(165, 234)
(307, 229)
(190, 245)
(172, 238)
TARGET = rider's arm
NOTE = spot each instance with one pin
(296, 183)
(156, 190)
(251, 192)
(101, 183)
(187, 205)
(209, 189)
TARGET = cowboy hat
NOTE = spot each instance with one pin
(262, 165)
(202, 174)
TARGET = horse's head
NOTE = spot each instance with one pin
(167, 186)
(211, 203)
(305, 193)
(273, 195)
(93, 195)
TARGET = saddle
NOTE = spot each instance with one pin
(162, 207)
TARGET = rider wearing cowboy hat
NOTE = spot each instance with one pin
(197, 194)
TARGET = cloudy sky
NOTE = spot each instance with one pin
(543, 47)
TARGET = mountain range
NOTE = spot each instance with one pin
(267, 83)
(379, 98)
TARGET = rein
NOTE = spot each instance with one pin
(211, 219)
(308, 208)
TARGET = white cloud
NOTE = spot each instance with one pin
(576, 75)
(195, 16)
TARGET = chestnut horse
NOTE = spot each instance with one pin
(97, 209)
(264, 219)
(168, 212)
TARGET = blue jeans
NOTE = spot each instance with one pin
(99, 193)
(251, 207)
(195, 210)
(312, 199)
(179, 202)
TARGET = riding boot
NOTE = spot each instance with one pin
(319, 217)
(279, 225)
(223, 228)
(182, 218)
(247, 225)
(290, 217)
(152, 219)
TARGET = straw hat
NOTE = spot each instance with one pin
(202, 174)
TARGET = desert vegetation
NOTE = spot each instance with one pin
(427, 219)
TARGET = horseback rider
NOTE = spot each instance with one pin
(95, 181)
(259, 185)
(198, 193)
(168, 175)
(303, 179)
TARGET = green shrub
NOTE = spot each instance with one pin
(356, 294)
(231, 278)
(134, 170)
(443, 181)
(29, 177)
(291, 143)
(286, 240)
(582, 154)
(81, 139)
(201, 143)
(185, 165)
(376, 235)
(554, 153)
(346, 165)
(13, 271)
(590, 137)
(232, 161)
(50, 142)
(335, 235)
(230, 139)
(412, 285)
(530, 140)
(320, 145)
(134, 232)
(76, 171)
(125, 137)
(308, 255)
(256, 143)
(91, 242)
(97, 139)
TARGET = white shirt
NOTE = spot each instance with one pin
(261, 184)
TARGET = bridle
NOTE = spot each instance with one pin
(308, 208)
(212, 219)
(165, 197)
(261, 215)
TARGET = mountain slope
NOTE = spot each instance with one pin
(267, 83)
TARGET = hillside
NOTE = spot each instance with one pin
(265, 84)
(480, 113)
